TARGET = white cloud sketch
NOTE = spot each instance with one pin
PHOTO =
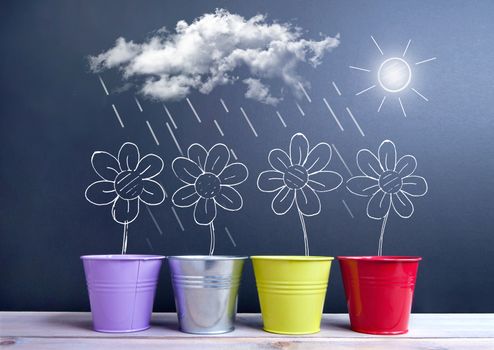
(256, 90)
(210, 51)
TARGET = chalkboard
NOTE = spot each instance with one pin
(57, 110)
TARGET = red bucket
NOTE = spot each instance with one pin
(379, 292)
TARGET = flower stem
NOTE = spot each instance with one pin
(212, 244)
(381, 238)
(306, 240)
(125, 235)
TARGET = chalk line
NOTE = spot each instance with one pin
(193, 110)
(347, 208)
(224, 105)
(170, 117)
(355, 121)
(305, 92)
(154, 221)
(342, 160)
(218, 127)
(174, 139)
(248, 121)
(103, 85)
(178, 219)
(281, 119)
(333, 114)
(152, 133)
(118, 115)
(230, 236)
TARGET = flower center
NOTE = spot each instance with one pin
(128, 184)
(295, 177)
(208, 185)
(390, 181)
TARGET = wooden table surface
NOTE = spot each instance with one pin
(72, 330)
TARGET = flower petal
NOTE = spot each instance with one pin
(299, 147)
(152, 192)
(205, 211)
(279, 160)
(186, 170)
(308, 201)
(101, 192)
(318, 158)
(234, 174)
(124, 210)
(362, 185)
(185, 196)
(325, 181)
(406, 165)
(217, 159)
(402, 205)
(229, 199)
(197, 154)
(379, 205)
(415, 186)
(150, 166)
(387, 155)
(128, 156)
(283, 201)
(105, 165)
(368, 163)
(270, 181)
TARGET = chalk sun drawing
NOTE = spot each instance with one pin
(394, 76)
(209, 182)
(388, 182)
(126, 180)
(297, 177)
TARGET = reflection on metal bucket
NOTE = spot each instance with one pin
(206, 290)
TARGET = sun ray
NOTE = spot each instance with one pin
(402, 108)
(365, 90)
(358, 68)
(377, 45)
(418, 93)
(382, 102)
(406, 48)
(425, 61)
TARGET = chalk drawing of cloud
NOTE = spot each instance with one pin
(210, 51)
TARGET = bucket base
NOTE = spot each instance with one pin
(291, 333)
(208, 333)
(121, 331)
(379, 332)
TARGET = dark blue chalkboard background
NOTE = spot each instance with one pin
(54, 114)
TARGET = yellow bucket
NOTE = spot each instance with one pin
(291, 291)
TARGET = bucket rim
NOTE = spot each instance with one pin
(292, 257)
(206, 257)
(123, 257)
(383, 258)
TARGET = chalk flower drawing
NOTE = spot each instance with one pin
(297, 178)
(209, 182)
(126, 180)
(388, 182)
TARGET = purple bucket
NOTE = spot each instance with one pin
(121, 290)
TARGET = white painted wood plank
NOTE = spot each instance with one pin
(78, 324)
(72, 330)
(244, 344)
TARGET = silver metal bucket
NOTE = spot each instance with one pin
(206, 291)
